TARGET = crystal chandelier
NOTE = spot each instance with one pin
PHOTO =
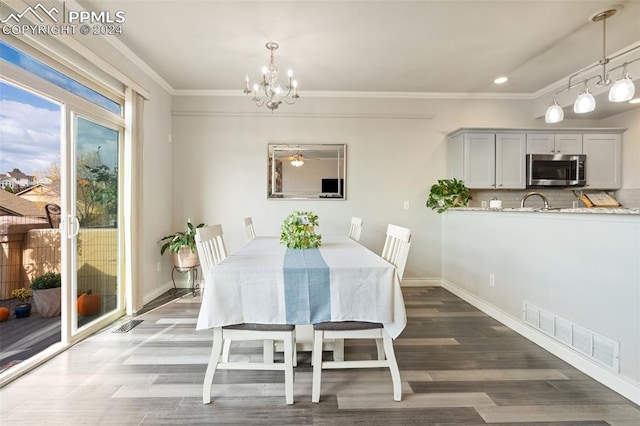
(269, 92)
(622, 90)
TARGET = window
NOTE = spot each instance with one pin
(27, 63)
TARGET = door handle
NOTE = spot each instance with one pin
(74, 228)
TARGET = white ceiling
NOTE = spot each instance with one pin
(423, 46)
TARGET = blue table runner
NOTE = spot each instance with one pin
(306, 287)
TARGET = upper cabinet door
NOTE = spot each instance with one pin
(603, 160)
(549, 143)
(511, 161)
(479, 160)
(540, 143)
(568, 143)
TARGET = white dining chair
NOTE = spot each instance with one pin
(395, 251)
(396, 247)
(248, 228)
(355, 229)
(211, 250)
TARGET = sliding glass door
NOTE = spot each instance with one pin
(94, 233)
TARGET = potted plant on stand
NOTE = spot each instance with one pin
(448, 193)
(23, 308)
(183, 246)
(46, 294)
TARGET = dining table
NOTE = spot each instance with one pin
(265, 282)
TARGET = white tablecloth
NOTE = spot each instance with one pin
(250, 287)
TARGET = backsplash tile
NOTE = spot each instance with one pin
(559, 198)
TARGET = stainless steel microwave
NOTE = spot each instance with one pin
(556, 170)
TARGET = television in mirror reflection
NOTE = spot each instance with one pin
(306, 171)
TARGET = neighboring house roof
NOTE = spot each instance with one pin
(18, 175)
(13, 205)
(42, 194)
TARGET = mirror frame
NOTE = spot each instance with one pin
(275, 151)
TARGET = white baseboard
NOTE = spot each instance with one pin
(157, 292)
(625, 386)
(421, 282)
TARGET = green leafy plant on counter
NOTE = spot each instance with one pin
(298, 231)
(448, 193)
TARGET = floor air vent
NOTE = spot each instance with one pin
(599, 348)
(127, 326)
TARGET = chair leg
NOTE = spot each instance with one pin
(267, 351)
(295, 352)
(213, 364)
(225, 350)
(393, 366)
(289, 344)
(318, 337)
(338, 350)
(380, 348)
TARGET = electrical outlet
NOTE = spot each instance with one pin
(159, 267)
(407, 205)
(492, 280)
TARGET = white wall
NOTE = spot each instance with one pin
(395, 151)
(582, 267)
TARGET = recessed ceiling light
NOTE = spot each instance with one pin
(635, 101)
(500, 80)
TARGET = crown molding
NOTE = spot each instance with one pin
(282, 114)
(368, 94)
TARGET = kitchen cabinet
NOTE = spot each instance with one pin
(603, 166)
(489, 160)
(492, 158)
(558, 143)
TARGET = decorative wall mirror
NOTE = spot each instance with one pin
(307, 172)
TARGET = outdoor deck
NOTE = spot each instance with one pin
(22, 338)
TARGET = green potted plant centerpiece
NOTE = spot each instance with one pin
(183, 246)
(298, 231)
(23, 308)
(447, 193)
(46, 294)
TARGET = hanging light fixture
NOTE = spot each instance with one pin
(623, 89)
(297, 160)
(585, 102)
(554, 113)
(268, 92)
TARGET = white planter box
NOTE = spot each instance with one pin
(47, 302)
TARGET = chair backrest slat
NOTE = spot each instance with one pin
(396, 247)
(248, 228)
(210, 246)
(355, 229)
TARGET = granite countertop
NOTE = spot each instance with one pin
(584, 210)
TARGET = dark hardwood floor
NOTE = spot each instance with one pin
(458, 366)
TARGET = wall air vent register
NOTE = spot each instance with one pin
(594, 346)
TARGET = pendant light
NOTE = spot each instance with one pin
(585, 102)
(622, 90)
(554, 113)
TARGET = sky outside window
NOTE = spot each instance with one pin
(29, 132)
(26, 62)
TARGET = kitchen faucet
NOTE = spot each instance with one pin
(546, 202)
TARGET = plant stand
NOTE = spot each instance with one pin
(193, 275)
